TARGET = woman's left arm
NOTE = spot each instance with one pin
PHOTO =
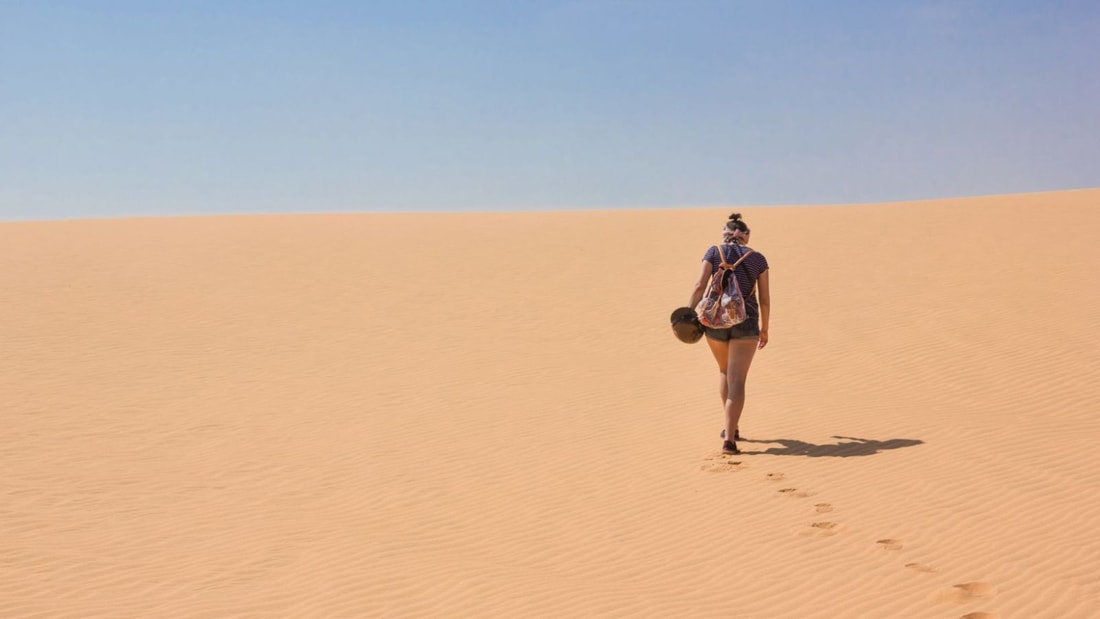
(701, 284)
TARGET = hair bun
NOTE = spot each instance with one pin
(735, 217)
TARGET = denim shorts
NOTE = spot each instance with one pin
(748, 330)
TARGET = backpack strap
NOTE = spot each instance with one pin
(722, 258)
(726, 265)
(741, 259)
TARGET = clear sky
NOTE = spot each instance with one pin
(113, 107)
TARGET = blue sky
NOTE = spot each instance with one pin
(115, 108)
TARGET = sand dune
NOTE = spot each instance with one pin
(368, 415)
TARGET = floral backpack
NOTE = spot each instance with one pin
(723, 305)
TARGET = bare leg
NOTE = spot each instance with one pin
(741, 353)
(721, 352)
(724, 393)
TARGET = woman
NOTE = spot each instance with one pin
(734, 347)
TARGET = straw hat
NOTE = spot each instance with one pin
(685, 325)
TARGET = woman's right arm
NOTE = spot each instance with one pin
(763, 287)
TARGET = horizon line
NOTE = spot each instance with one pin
(526, 210)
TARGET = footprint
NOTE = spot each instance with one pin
(776, 476)
(920, 567)
(795, 492)
(821, 528)
(968, 591)
(720, 465)
(823, 508)
(976, 589)
(979, 615)
(890, 544)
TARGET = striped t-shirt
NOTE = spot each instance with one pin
(747, 272)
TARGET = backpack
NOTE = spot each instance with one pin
(723, 305)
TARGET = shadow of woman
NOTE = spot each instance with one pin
(848, 447)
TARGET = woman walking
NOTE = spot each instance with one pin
(734, 347)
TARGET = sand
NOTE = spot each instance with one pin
(486, 415)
